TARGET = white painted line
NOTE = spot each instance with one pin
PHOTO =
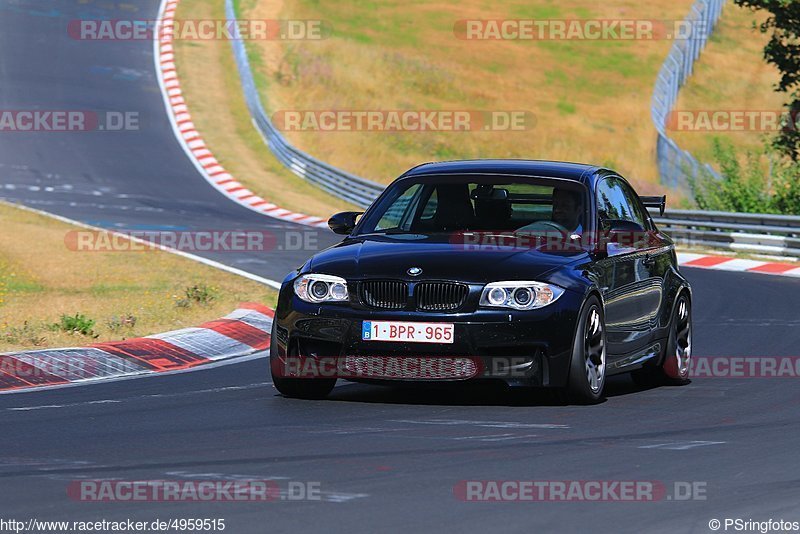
(205, 261)
(486, 424)
(492, 438)
(681, 445)
(140, 397)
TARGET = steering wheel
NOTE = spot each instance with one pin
(543, 226)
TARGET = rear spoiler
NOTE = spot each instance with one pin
(655, 202)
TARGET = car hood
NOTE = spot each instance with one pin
(440, 257)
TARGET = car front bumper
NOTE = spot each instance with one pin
(530, 348)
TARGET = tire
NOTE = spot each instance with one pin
(300, 388)
(587, 371)
(676, 362)
(304, 388)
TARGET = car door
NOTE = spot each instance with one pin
(631, 290)
(656, 261)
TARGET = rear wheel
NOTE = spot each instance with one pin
(587, 373)
(674, 368)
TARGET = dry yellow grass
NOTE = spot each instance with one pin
(591, 98)
(210, 84)
(41, 279)
(731, 75)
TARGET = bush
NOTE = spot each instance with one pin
(198, 294)
(747, 189)
(786, 190)
(75, 324)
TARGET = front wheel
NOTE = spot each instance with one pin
(587, 372)
(301, 388)
(304, 388)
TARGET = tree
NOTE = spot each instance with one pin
(783, 51)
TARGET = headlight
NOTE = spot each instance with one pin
(519, 295)
(316, 288)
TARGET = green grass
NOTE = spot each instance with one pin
(565, 108)
(126, 294)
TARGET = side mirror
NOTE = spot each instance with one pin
(344, 222)
(617, 227)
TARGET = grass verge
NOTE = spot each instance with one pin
(731, 76)
(210, 85)
(591, 99)
(101, 296)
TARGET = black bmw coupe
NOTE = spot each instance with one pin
(535, 273)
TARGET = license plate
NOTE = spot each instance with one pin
(407, 332)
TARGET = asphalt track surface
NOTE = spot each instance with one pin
(122, 180)
(384, 458)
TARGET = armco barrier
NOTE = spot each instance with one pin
(354, 189)
(777, 235)
(674, 164)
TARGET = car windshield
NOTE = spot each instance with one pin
(503, 204)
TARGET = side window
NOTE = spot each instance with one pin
(637, 212)
(616, 201)
(430, 207)
(401, 210)
(610, 201)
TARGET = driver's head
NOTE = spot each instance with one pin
(567, 208)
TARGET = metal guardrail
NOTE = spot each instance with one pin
(354, 189)
(674, 164)
(755, 233)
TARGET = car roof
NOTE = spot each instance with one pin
(580, 172)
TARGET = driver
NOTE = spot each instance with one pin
(567, 210)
